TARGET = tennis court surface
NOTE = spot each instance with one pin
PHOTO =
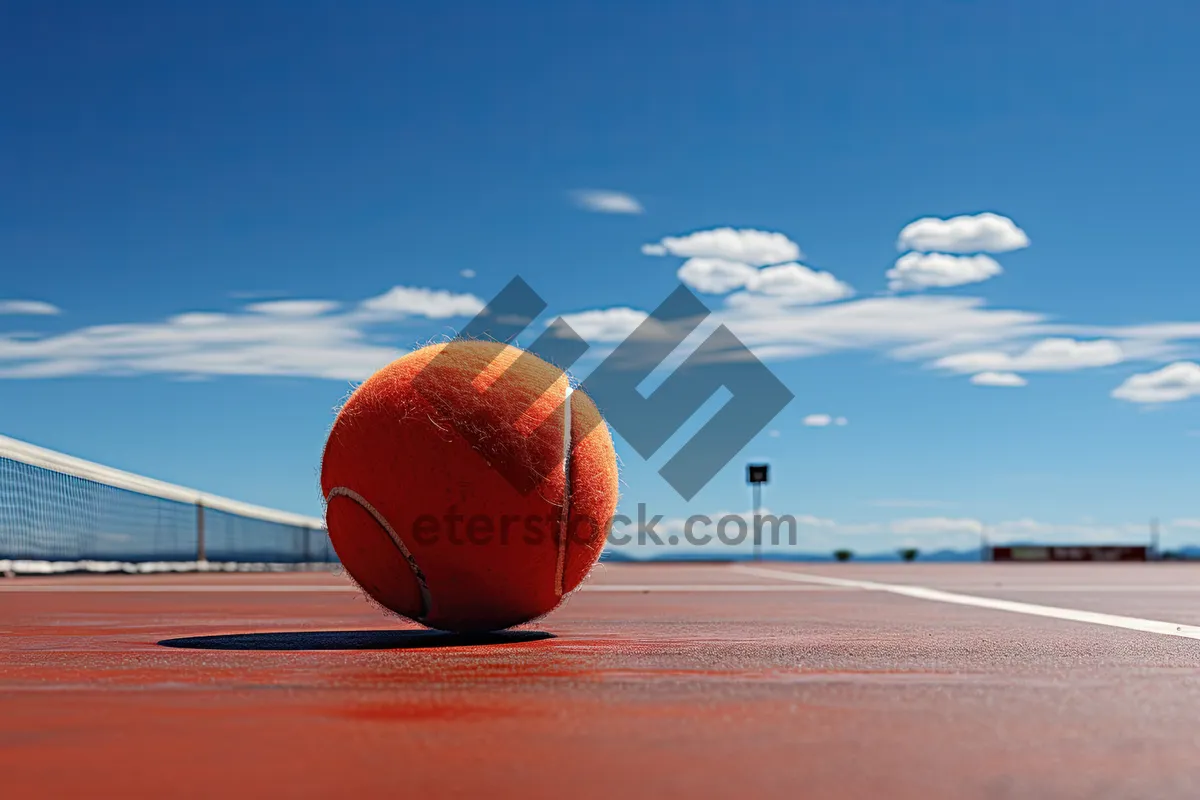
(821, 680)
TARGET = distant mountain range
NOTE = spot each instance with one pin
(1188, 553)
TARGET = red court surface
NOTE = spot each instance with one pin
(682, 680)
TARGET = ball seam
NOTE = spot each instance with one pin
(565, 524)
(422, 585)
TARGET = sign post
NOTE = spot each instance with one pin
(756, 476)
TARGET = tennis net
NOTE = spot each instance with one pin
(59, 513)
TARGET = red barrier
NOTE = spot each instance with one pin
(1071, 553)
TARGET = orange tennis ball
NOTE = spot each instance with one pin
(467, 487)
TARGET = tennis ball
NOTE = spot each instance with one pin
(467, 487)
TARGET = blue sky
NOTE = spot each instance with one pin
(205, 213)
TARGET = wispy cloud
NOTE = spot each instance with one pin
(323, 338)
(293, 308)
(998, 379)
(604, 201)
(28, 308)
(1002, 368)
(907, 328)
(304, 338)
(418, 301)
(1172, 383)
(776, 305)
(824, 420)
(785, 310)
(746, 245)
(607, 325)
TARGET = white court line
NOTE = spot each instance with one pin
(710, 587)
(267, 587)
(1093, 588)
(591, 587)
(939, 596)
(176, 588)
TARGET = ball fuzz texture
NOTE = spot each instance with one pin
(467, 486)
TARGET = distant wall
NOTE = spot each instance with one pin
(1071, 553)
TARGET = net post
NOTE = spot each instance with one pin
(200, 554)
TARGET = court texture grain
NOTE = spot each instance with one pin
(703, 680)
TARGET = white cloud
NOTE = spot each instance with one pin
(841, 421)
(431, 303)
(467, 273)
(303, 338)
(196, 319)
(1047, 355)
(998, 379)
(969, 233)
(754, 247)
(799, 284)
(909, 327)
(605, 325)
(1172, 383)
(1157, 331)
(203, 344)
(715, 275)
(915, 271)
(957, 333)
(607, 202)
(1068, 354)
(28, 308)
(795, 282)
(1162, 342)
(1184, 523)
(960, 334)
(293, 308)
(818, 420)
(774, 434)
(320, 338)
